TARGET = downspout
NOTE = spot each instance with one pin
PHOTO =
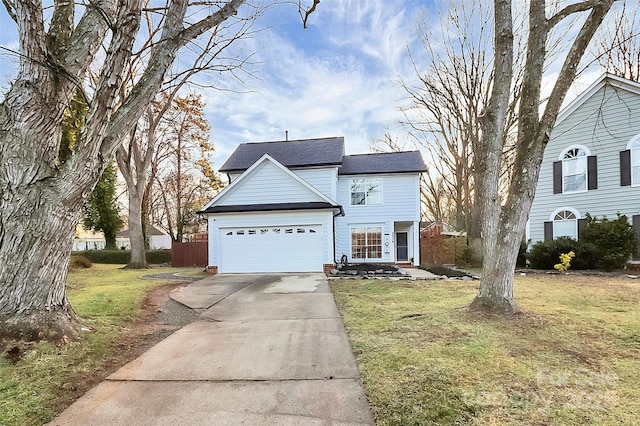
(333, 231)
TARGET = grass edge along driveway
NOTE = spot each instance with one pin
(47, 379)
(570, 358)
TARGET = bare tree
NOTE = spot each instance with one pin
(445, 107)
(138, 157)
(503, 225)
(41, 196)
(186, 177)
(618, 46)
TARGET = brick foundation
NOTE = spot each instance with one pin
(327, 267)
(213, 270)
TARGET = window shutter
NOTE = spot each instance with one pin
(548, 231)
(592, 172)
(557, 177)
(582, 225)
(635, 220)
(625, 168)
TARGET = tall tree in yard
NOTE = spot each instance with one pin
(503, 225)
(101, 211)
(186, 178)
(42, 196)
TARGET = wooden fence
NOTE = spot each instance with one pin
(190, 254)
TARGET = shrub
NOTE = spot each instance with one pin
(615, 239)
(604, 244)
(545, 254)
(121, 257)
(158, 256)
(78, 261)
(467, 257)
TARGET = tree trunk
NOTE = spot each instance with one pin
(496, 285)
(110, 240)
(136, 236)
(35, 256)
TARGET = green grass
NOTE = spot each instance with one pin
(571, 358)
(47, 379)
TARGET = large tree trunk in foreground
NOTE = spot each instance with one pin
(33, 302)
(41, 190)
(503, 224)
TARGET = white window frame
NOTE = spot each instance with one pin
(634, 150)
(562, 211)
(368, 201)
(366, 229)
(572, 154)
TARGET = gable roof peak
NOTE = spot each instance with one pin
(604, 79)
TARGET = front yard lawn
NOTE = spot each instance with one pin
(571, 358)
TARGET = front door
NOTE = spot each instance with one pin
(402, 247)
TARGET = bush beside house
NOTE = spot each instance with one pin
(604, 244)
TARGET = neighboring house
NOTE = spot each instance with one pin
(298, 206)
(592, 162)
(86, 239)
(158, 240)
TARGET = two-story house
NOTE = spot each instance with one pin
(300, 206)
(592, 162)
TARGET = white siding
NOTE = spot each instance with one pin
(400, 203)
(604, 124)
(270, 219)
(268, 184)
(323, 179)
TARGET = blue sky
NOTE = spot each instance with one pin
(337, 78)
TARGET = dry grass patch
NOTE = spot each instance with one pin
(570, 358)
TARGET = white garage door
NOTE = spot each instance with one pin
(296, 248)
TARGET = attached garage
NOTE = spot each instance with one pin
(268, 248)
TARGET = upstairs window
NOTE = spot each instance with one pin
(575, 171)
(366, 192)
(630, 163)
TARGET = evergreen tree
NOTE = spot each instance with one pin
(100, 210)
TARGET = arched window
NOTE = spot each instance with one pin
(574, 169)
(563, 222)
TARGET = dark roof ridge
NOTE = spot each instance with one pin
(293, 140)
(379, 153)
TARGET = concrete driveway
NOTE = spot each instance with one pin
(267, 350)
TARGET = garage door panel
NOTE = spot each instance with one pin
(272, 249)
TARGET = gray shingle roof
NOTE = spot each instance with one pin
(298, 153)
(387, 162)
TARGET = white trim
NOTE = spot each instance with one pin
(632, 141)
(571, 209)
(569, 148)
(613, 80)
(244, 176)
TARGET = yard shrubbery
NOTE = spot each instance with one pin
(79, 261)
(121, 257)
(604, 244)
